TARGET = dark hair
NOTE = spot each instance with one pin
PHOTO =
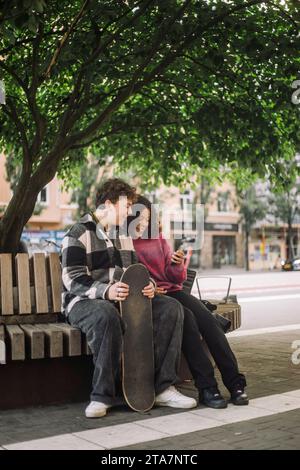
(153, 227)
(112, 189)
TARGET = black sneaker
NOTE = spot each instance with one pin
(212, 398)
(239, 396)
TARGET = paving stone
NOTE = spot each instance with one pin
(62, 442)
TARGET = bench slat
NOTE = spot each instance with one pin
(189, 282)
(53, 339)
(7, 304)
(40, 283)
(17, 342)
(30, 319)
(34, 341)
(23, 282)
(55, 280)
(71, 339)
(2, 345)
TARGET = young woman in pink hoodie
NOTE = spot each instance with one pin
(169, 270)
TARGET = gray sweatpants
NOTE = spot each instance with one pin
(101, 322)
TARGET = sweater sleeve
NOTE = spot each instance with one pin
(75, 276)
(175, 272)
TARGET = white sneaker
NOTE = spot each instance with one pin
(171, 397)
(96, 409)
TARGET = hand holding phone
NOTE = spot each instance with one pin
(178, 257)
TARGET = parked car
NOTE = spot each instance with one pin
(291, 265)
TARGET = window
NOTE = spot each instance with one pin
(43, 197)
(185, 199)
(223, 202)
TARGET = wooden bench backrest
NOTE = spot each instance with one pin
(32, 286)
(29, 286)
(30, 310)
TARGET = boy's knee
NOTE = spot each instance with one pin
(106, 313)
(175, 310)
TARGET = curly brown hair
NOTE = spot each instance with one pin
(112, 189)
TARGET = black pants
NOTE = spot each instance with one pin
(198, 319)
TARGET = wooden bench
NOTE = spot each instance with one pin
(31, 323)
(42, 359)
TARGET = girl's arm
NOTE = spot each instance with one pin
(175, 272)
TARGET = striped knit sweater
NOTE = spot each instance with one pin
(91, 262)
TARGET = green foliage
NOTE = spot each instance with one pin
(171, 94)
(84, 190)
(285, 206)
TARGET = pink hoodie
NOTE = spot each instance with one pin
(156, 254)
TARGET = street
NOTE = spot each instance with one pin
(268, 299)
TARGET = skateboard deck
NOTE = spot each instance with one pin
(138, 355)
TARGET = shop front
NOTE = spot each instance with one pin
(223, 246)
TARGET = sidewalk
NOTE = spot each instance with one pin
(271, 421)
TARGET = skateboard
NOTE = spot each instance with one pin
(138, 355)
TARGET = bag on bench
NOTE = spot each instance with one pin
(223, 322)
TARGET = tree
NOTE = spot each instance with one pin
(285, 206)
(160, 85)
(252, 210)
(88, 178)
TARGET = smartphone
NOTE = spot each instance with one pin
(182, 248)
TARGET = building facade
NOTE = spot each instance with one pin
(54, 209)
(221, 237)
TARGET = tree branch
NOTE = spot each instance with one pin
(30, 92)
(232, 77)
(67, 122)
(116, 20)
(286, 15)
(172, 56)
(65, 38)
(178, 84)
(31, 95)
(11, 111)
(130, 87)
(132, 128)
(13, 74)
(24, 42)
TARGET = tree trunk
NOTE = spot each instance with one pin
(289, 241)
(247, 249)
(20, 209)
(14, 220)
